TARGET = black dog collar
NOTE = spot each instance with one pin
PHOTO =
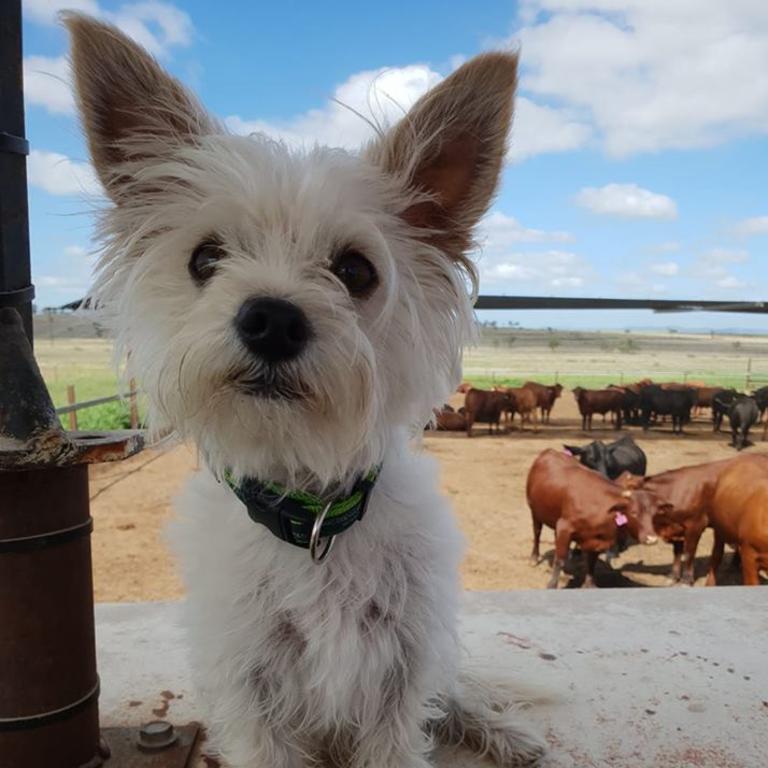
(302, 518)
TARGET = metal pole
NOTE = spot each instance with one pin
(49, 687)
(15, 277)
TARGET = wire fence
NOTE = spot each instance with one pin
(747, 380)
(72, 407)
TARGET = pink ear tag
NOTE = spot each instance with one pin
(621, 519)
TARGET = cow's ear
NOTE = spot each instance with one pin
(573, 449)
(447, 152)
(133, 112)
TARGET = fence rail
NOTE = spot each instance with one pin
(73, 406)
(748, 379)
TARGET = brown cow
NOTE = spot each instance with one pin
(464, 387)
(583, 506)
(545, 397)
(738, 515)
(603, 401)
(486, 407)
(704, 397)
(524, 402)
(690, 491)
(449, 421)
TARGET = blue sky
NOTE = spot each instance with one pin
(639, 156)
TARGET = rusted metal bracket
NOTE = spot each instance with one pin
(132, 747)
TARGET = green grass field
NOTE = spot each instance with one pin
(87, 365)
(505, 357)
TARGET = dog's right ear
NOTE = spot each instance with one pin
(132, 111)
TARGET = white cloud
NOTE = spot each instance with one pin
(47, 83)
(669, 246)
(76, 251)
(155, 25)
(501, 231)
(59, 175)
(729, 281)
(649, 75)
(666, 268)
(505, 268)
(158, 26)
(381, 95)
(725, 256)
(714, 267)
(46, 11)
(757, 225)
(545, 269)
(539, 129)
(627, 200)
(385, 95)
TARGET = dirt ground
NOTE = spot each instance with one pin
(484, 476)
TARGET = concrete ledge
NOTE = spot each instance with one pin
(663, 678)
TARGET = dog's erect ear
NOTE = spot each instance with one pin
(131, 109)
(450, 147)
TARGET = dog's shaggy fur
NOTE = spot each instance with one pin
(355, 662)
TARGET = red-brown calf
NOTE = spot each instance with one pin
(583, 506)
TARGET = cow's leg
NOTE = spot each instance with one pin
(562, 544)
(750, 575)
(470, 422)
(589, 579)
(535, 552)
(692, 536)
(715, 559)
(677, 563)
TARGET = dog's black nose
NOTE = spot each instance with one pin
(273, 329)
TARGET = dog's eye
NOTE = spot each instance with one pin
(356, 272)
(204, 259)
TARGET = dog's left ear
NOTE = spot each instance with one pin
(449, 150)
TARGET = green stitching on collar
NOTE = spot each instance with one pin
(310, 501)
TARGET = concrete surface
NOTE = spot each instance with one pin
(662, 678)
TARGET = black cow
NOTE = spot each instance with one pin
(677, 403)
(623, 455)
(761, 398)
(721, 404)
(743, 414)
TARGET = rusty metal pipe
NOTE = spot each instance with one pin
(48, 682)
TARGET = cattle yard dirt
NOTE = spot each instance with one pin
(484, 476)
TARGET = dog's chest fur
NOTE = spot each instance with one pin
(319, 644)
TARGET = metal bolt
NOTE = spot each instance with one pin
(156, 735)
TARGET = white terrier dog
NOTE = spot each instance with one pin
(297, 315)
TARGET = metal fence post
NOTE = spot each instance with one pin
(49, 685)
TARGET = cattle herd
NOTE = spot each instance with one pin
(644, 404)
(599, 496)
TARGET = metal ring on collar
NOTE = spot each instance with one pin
(314, 539)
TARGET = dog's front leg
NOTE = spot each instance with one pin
(256, 745)
(398, 741)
